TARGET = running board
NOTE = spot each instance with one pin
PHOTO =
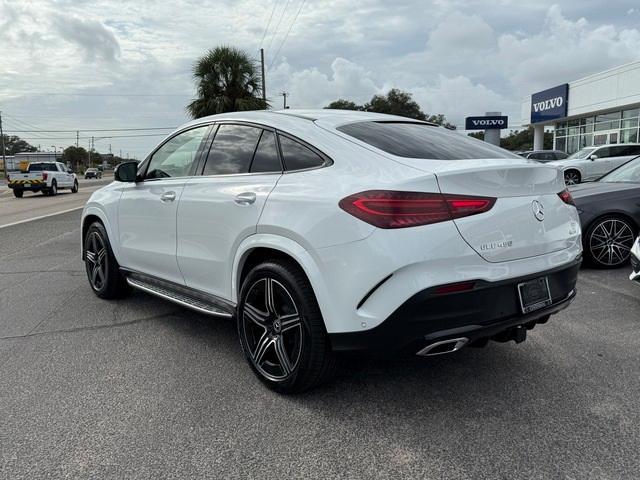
(181, 295)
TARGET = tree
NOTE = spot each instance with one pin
(519, 140)
(75, 156)
(227, 80)
(14, 144)
(396, 102)
(344, 105)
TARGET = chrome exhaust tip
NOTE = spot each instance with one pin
(444, 346)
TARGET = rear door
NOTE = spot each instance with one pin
(220, 207)
(147, 208)
(65, 179)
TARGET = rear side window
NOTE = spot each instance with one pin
(418, 140)
(298, 157)
(266, 158)
(232, 150)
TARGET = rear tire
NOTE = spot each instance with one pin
(53, 191)
(284, 340)
(102, 268)
(74, 189)
(572, 177)
(18, 193)
(608, 241)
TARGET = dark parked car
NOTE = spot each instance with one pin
(92, 173)
(610, 215)
(544, 155)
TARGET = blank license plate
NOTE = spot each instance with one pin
(534, 294)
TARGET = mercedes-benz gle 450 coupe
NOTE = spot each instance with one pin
(327, 231)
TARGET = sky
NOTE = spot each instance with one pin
(104, 64)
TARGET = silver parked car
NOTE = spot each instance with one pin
(544, 156)
(591, 163)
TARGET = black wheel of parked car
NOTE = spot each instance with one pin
(572, 177)
(18, 192)
(102, 268)
(281, 328)
(74, 189)
(608, 242)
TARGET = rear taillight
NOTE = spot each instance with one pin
(394, 209)
(566, 197)
(44, 175)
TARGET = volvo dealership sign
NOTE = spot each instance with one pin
(489, 122)
(550, 104)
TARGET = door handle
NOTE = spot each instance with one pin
(246, 198)
(168, 197)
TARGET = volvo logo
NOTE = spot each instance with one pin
(548, 104)
(538, 210)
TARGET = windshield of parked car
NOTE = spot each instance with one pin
(41, 167)
(421, 140)
(584, 153)
(627, 173)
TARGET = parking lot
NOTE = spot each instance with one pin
(140, 388)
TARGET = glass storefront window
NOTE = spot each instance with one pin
(629, 136)
(634, 112)
(586, 141)
(629, 123)
(561, 143)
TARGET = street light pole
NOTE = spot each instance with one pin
(4, 160)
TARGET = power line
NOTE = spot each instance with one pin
(275, 32)
(102, 137)
(275, 3)
(287, 34)
(96, 130)
(71, 94)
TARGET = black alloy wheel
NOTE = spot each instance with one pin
(281, 329)
(102, 268)
(609, 241)
(571, 177)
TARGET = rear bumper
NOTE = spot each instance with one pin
(27, 185)
(484, 312)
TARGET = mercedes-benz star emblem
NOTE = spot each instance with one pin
(538, 210)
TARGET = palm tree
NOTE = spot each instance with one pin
(228, 80)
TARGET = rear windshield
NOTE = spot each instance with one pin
(41, 167)
(418, 140)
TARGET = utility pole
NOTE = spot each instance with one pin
(284, 99)
(77, 138)
(264, 88)
(4, 160)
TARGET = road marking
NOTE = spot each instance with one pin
(41, 217)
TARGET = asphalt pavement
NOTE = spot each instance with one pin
(141, 388)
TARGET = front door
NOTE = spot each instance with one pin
(220, 208)
(147, 209)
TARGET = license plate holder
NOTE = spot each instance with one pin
(534, 294)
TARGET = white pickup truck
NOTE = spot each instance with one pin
(45, 177)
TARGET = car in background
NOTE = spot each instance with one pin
(609, 212)
(92, 173)
(543, 156)
(331, 231)
(45, 177)
(635, 261)
(591, 163)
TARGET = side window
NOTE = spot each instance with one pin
(296, 156)
(232, 150)
(603, 152)
(266, 158)
(177, 156)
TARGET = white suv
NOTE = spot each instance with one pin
(592, 163)
(329, 231)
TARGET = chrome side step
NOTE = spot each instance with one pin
(181, 296)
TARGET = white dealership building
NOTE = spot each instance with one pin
(599, 109)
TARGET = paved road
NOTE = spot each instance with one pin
(141, 388)
(36, 204)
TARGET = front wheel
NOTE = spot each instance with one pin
(281, 328)
(102, 268)
(608, 242)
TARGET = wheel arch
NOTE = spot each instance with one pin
(259, 247)
(614, 213)
(91, 215)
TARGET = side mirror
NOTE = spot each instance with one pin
(69, 170)
(126, 172)
(593, 157)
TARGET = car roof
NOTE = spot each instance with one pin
(614, 145)
(288, 118)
